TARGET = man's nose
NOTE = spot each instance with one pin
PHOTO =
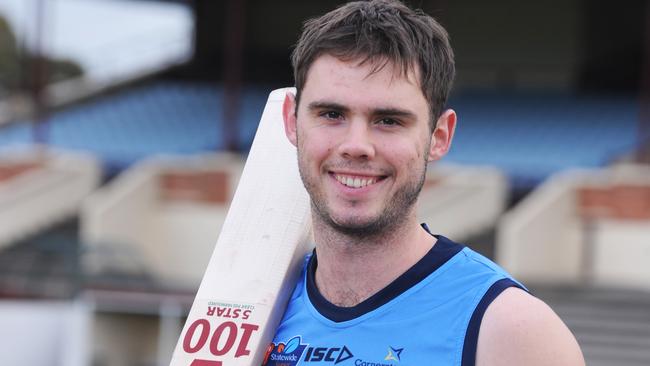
(357, 141)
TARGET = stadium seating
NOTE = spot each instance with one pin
(528, 136)
(531, 136)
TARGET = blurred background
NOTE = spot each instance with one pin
(124, 126)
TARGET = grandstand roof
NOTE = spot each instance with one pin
(111, 40)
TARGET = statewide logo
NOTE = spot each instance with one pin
(285, 354)
(328, 354)
(394, 354)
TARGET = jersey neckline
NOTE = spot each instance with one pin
(439, 254)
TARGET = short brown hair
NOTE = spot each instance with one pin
(381, 32)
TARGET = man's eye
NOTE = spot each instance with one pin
(331, 115)
(388, 122)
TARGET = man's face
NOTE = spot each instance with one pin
(363, 142)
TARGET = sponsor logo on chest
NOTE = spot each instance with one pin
(294, 352)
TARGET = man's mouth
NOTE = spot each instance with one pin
(356, 181)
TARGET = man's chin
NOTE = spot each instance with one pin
(357, 227)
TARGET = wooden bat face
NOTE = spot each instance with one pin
(257, 258)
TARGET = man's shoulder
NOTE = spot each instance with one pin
(474, 263)
(519, 329)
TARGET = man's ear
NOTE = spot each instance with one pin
(289, 115)
(442, 135)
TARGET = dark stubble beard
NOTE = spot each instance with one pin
(395, 213)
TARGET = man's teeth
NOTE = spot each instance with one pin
(355, 182)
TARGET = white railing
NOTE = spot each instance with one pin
(117, 213)
(44, 195)
(463, 201)
(541, 238)
(546, 239)
(172, 239)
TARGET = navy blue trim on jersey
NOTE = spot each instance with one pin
(471, 337)
(440, 253)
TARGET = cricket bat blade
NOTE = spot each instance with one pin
(258, 256)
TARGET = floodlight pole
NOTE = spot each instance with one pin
(39, 68)
(233, 58)
(643, 148)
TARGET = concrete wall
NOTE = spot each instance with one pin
(582, 227)
(36, 333)
(541, 238)
(621, 253)
(513, 45)
(171, 231)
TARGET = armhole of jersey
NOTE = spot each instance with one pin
(471, 337)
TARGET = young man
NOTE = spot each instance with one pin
(372, 81)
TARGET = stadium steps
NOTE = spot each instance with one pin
(611, 325)
(43, 265)
(49, 265)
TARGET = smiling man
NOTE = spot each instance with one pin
(372, 80)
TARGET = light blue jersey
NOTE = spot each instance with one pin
(428, 316)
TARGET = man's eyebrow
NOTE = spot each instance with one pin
(397, 112)
(394, 112)
(320, 105)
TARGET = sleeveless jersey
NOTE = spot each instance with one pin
(430, 315)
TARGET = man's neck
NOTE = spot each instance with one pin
(351, 269)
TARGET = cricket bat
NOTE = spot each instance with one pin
(257, 259)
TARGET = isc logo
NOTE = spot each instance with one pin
(328, 354)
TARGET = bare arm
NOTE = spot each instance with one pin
(519, 329)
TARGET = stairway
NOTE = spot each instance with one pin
(612, 325)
